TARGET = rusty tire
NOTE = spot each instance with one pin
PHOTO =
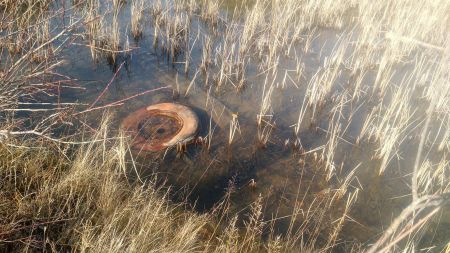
(180, 126)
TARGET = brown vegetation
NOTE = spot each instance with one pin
(74, 195)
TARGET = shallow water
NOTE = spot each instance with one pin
(280, 173)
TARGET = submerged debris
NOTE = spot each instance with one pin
(161, 126)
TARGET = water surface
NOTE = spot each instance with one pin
(282, 174)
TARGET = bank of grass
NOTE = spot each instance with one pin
(56, 198)
(54, 201)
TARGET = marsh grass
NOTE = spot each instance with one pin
(93, 28)
(113, 32)
(79, 198)
(86, 203)
(234, 128)
(137, 15)
(393, 57)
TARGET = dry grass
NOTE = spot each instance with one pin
(137, 15)
(234, 127)
(55, 201)
(60, 198)
(28, 66)
(393, 55)
(374, 41)
(93, 28)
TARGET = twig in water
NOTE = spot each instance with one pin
(121, 102)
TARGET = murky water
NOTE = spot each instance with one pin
(280, 173)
